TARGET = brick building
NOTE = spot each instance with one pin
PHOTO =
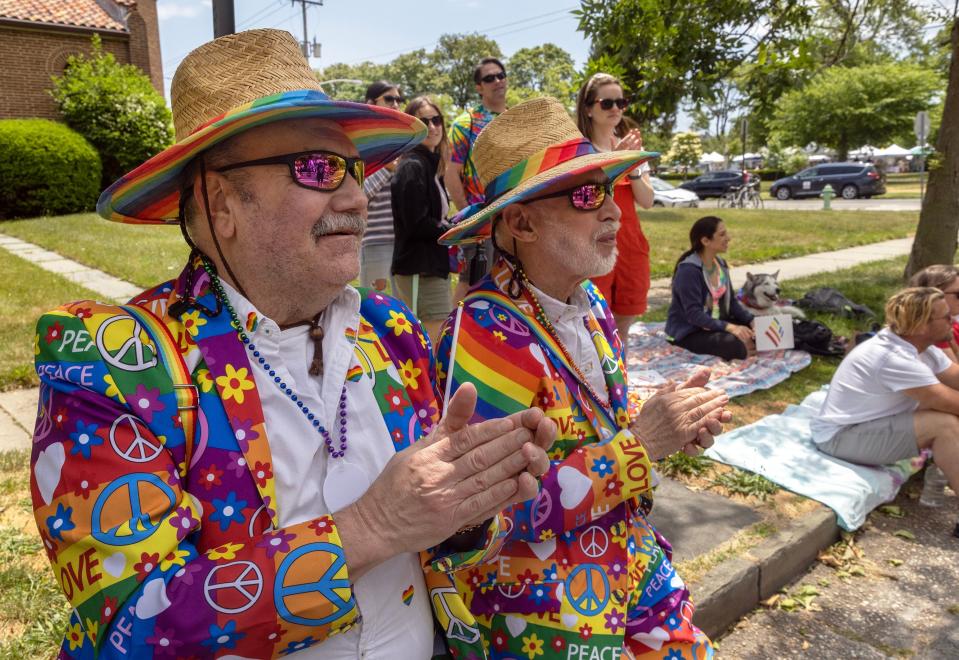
(37, 36)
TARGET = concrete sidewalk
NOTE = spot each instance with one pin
(790, 269)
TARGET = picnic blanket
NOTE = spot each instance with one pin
(652, 362)
(780, 448)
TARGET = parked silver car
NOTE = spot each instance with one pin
(666, 194)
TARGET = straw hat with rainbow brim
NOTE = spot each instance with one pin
(524, 151)
(235, 83)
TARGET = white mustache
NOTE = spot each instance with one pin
(338, 223)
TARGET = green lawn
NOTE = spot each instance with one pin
(761, 235)
(143, 255)
(28, 291)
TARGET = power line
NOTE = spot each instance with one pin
(262, 14)
(481, 31)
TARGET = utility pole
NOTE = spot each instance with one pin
(309, 49)
(224, 21)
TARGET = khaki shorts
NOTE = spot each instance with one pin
(877, 442)
(434, 301)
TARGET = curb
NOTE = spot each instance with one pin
(735, 587)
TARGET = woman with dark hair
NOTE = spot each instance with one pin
(599, 116)
(704, 315)
(376, 251)
(421, 265)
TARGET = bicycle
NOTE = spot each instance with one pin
(741, 197)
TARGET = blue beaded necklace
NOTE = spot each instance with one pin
(277, 380)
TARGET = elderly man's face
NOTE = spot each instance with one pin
(288, 240)
(581, 242)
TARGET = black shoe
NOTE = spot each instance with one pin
(955, 532)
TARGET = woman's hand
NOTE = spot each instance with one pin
(632, 141)
(742, 333)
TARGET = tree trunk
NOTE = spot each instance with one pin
(935, 241)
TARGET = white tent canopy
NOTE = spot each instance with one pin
(865, 151)
(748, 156)
(892, 151)
(712, 157)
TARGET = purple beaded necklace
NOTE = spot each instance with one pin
(277, 380)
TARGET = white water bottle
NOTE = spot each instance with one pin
(934, 486)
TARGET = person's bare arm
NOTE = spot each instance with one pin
(941, 397)
(950, 376)
(641, 185)
(454, 184)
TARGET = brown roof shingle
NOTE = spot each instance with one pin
(79, 13)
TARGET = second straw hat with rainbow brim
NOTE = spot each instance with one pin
(235, 83)
(524, 151)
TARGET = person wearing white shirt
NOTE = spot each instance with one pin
(897, 393)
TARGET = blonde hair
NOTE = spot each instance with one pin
(910, 309)
(939, 276)
(587, 97)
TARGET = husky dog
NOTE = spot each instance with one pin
(760, 295)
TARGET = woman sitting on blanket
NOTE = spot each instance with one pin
(704, 315)
(946, 279)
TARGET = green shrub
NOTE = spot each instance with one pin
(45, 169)
(115, 107)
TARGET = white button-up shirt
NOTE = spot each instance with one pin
(569, 321)
(310, 483)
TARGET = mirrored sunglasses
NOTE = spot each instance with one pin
(584, 197)
(607, 104)
(492, 77)
(316, 170)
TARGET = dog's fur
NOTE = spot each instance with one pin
(760, 296)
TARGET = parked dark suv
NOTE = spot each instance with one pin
(715, 184)
(849, 180)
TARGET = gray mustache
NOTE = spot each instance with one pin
(337, 223)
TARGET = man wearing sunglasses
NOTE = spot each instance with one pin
(462, 181)
(247, 457)
(581, 569)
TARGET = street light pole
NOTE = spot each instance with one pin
(224, 20)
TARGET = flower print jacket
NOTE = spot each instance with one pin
(126, 504)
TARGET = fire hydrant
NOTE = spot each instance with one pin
(827, 194)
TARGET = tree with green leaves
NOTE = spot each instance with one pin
(547, 70)
(668, 51)
(340, 73)
(685, 151)
(455, 57)
(416, 73)
(847, 107)
(115, 107)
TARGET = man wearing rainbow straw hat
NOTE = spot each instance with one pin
(582, 571)
(227, 465)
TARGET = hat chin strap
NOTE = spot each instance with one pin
(216, 241)
(516, 281)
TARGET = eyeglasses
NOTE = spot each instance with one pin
(607, 104)
(436, 120)
(492, 77)
(316, 170)
(393, 100)
(584, 197)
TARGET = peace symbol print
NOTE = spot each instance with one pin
(124, 345)
(594, 542)
(542, 507)
(587, 589)
(302, 595)
(233, 588)
(456, 628)
(139, 525)
(137, 449)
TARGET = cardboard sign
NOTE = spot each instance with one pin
(774, 333)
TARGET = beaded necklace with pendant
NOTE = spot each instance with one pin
(540, 315)
(334, 452)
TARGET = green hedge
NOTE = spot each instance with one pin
(45, 169)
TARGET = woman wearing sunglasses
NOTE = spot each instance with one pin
(421, 265)
(599, 115)
(376, 253)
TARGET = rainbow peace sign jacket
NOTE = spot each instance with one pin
(153, 486)
(582, 572)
